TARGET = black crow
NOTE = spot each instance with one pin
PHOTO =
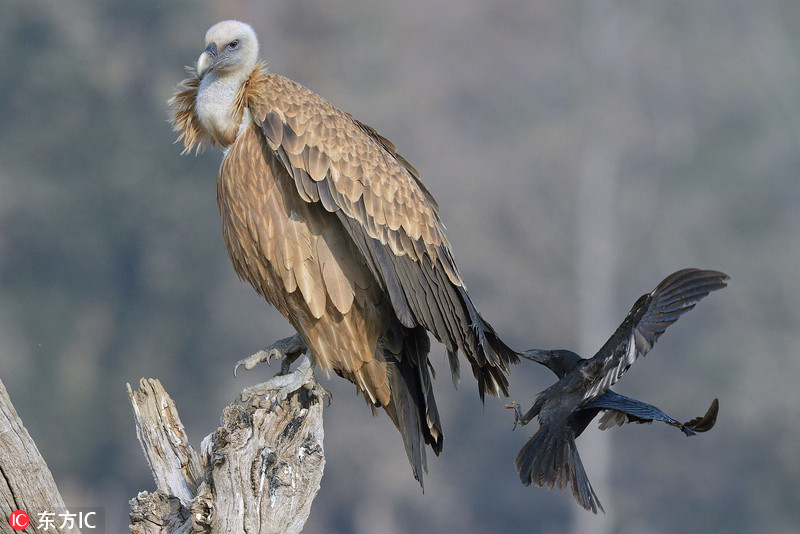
(568, 406)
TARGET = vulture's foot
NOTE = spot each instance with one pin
(279, 387)
(287, 350)
(517, 413)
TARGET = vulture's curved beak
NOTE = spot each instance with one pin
(206, 60)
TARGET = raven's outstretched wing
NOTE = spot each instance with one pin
(648, 319)
(621, 409)
(707, 421)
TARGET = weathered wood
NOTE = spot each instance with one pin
(258, 472)
(174, 464)
(157, 512)
(25, 481)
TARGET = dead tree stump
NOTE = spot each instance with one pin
(25, 481)
(258, 472)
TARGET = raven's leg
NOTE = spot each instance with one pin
(523, 420)
(513, 405)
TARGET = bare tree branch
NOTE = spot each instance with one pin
(258, 472)
(25, 481)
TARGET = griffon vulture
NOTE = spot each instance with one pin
(329, 224)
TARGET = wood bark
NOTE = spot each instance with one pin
(258, 472)
(25, 481)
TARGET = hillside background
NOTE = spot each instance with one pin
(580, 152)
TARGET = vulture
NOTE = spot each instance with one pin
(567, 407)
(333, 227)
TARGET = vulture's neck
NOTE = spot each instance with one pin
(219, 106)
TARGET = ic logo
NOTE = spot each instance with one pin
(19, 520)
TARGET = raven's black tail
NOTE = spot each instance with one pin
(554, 460)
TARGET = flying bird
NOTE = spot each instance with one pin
(567, 407)
(332, 226)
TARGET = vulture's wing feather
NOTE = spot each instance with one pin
(389, 215)
(305, 252)
(648, 319)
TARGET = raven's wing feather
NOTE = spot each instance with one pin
(620, 409)
(635, 410)
(648, 319)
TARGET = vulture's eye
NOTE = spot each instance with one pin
(233, 45)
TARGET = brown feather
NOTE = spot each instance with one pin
(324, 218)
(336, 281)
(356, 157)
(184, 119)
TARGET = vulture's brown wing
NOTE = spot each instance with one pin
(285, 249)
(298, 256)
(389, 215)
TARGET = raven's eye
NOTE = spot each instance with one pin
(233, 45)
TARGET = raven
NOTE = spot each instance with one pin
(567, 407)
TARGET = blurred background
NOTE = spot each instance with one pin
(580, 152)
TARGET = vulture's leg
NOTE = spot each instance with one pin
(281, 386)
(287, 350)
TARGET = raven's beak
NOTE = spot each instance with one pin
(206, 60)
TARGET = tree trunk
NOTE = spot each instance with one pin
(25, 481)
(258, 472)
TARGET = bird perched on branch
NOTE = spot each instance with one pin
(567, 407)
(323, 217)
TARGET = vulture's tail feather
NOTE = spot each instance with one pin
(412, 407)
(488, 354)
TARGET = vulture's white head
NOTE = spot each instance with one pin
(224, 66)
(231, 49)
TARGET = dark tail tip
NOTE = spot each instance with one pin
(412, 407)
(549, 460)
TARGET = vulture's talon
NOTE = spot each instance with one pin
(287, 350)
